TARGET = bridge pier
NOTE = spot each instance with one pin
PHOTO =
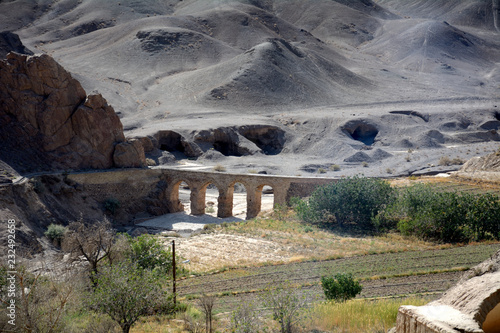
(197, 197)
(254, 202)
(225, 208)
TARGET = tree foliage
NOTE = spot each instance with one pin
(149, 253)
(422, 211)
(349, 204)
(125, 292)
(341, 287)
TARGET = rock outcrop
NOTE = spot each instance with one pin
(486, 168)
(472, 306)
(10, 42)
(47, 121)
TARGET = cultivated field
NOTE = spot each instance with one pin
(390, 274)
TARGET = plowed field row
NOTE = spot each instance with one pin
(390, 274)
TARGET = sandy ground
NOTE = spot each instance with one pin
(185, 223)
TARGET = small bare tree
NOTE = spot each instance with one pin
(94, 241)
(207, 303)
(286, 306)
(245, 319)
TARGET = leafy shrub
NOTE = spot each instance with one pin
(55, 232)
(446, 216)
(350, 203)
(340, 287)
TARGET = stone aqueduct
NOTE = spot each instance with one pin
(157, 190)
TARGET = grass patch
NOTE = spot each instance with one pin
(360, 315)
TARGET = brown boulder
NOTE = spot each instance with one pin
(129, 154)
(48, 122)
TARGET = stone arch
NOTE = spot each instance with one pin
(245, 186)
(199, 194)
(489, 313)
(174, 204)
(254, 199)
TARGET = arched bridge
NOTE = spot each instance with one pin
(157, 190)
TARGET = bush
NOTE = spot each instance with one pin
(55, 232)
(335, 167)
(219, 168)
(351, 203)
(111, 205)
(445, 216)
(245, 319)
(341, 287)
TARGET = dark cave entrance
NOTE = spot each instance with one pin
(365, 133)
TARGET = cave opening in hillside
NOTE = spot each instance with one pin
(365, 133)
(172, 142)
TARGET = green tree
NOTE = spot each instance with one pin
(126, 292)
(149, 253)
(341, 287)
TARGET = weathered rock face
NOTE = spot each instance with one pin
(47, 121)
(129, 154)
(472, 306)
(485, 168)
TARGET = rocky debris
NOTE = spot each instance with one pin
(358, 158)
(138, 231)
(48, 122)
(147, 144)
(466, 307)
(10, 42)
(166, 158)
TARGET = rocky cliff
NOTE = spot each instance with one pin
(47, 121)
